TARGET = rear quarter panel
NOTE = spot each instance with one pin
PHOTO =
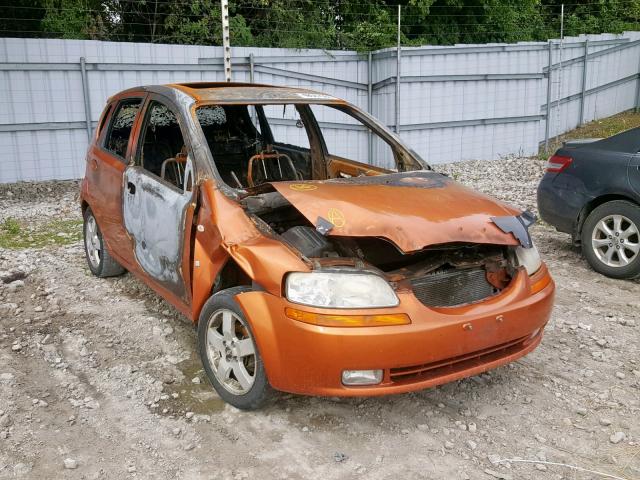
(595, 173)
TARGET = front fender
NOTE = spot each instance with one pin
(231, 233)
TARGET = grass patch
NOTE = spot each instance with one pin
(603, 128)
(16, 235)
(11, 226)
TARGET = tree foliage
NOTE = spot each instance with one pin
(329, 24)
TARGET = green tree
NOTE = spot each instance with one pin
(360, 25)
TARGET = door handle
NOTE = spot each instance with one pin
(131, 188)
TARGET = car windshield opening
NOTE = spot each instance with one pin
(256, 144)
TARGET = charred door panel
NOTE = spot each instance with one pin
(154, 216)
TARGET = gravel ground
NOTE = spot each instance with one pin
(98, 380)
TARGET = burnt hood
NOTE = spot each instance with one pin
(412, 209)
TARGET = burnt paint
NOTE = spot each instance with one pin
(154, 217)
(412, 219)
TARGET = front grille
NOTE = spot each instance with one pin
(451, 366)
(448, 288)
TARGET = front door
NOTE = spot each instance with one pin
(157, 197)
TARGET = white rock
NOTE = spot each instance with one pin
(13, 286)
(20, 469)
(70, 464)
(5, 420)
(617, 437)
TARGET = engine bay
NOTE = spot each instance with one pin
(378, 254)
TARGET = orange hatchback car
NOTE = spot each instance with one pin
(265, 216)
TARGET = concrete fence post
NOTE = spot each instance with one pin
(85, 96)
(585, 62)
(547, 120)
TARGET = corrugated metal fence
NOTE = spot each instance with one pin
(456, 103)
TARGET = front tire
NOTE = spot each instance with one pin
(611, 239)
(229, 353)
(101, 263)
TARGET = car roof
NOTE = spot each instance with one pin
(241, 93)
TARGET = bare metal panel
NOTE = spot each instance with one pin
(146, 212)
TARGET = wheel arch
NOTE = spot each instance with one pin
(591, 206)
(84, 205)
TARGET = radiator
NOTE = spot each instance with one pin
(451, 287)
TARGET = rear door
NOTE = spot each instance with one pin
(158, 198)
(107, 161)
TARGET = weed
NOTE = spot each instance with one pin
(56, 232)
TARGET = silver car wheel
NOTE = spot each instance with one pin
(92, 242)
(231, 352)
(615, 241)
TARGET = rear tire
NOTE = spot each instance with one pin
(229, 352)
(101, 263)
(610, 239)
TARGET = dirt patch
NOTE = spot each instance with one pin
(97, 381)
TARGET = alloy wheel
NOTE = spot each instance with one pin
(615, 241)
(231, 351)
(92, 241)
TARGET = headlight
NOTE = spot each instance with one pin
(340, 290)
(529, 258)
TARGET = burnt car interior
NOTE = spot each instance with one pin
(243, 154)
(252, 145)
(120, 129)
(162, 150)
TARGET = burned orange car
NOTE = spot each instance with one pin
(316, 252)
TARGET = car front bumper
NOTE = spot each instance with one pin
(439, 346)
